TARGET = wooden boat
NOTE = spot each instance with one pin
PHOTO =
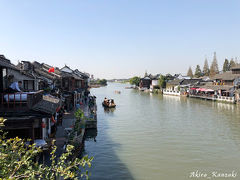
(108, 103)
(118, 92)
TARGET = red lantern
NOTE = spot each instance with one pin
(43, 125)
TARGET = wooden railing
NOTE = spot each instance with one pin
(20, 101)
(12, 99)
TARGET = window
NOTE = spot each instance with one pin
(28, 85)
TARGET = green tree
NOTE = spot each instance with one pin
(135, 81)
(198, 71)
(232, 64)
(18, 161)
(214, 66)
(206, 68)
(190, 73)
(102, 82)
(162, 81)
(226, 65)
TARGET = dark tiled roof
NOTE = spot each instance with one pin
(209, 85)
(6, 63)
(47, 104)
(42, 70)
(44, 74)
(175, 82)
(226, 76)
(236, 67)
(80, 74)
(190, 81)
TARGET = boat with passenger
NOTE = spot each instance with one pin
(108, 103)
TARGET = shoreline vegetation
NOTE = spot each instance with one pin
(20, 160)
(98, 83)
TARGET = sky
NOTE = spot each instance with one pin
(120, 38)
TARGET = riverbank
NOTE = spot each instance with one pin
(70, 130)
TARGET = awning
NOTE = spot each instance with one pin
(204, 90)
(209, 90)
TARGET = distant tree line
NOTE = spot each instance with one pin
(102, 82)
(213, 70)
(206, 71)
(227, 65)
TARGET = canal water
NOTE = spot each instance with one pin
(150, 136)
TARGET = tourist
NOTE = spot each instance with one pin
(14, 87)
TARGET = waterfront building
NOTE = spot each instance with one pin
(145, 83)
(47, 80)
(29, 114)
(35, 112)
(173, 87)
(154, 82)
(181, 86)
(224, 87)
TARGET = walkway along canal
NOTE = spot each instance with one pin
(150, 136)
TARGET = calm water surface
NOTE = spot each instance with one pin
(162, 137)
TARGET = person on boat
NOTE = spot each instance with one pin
(105, 99)
(14, 87)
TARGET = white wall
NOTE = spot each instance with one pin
(155, 82)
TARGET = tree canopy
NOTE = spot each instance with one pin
(226, 65)
(135, 81)
(198, 72)
(102, 82)
(232, 64)
(18, 161)
(206, 68)
(162, 81)
(214, 66)
(190, 73)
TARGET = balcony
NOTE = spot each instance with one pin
(18, 102)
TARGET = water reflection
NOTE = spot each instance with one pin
(109, 110)
(171, 98)
(106, 163)
(91, 134)
(225, 106)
